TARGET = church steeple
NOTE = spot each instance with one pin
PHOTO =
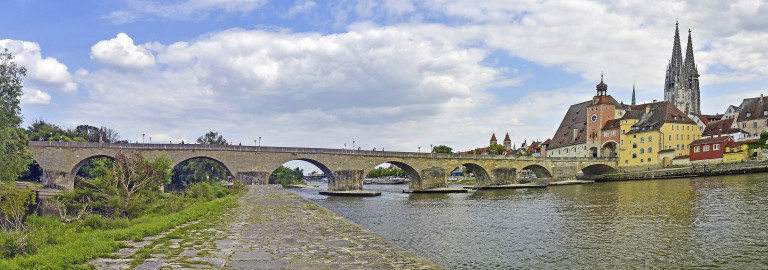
(690, 65)
(633, 95)
(677, 54)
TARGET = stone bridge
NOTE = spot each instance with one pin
(345, 169)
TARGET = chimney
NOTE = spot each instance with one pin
(654, 101)
(648, 109)
(761, 98)
(575, 133)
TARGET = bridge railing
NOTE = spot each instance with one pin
(274, 149)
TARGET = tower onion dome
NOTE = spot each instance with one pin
(602, 88)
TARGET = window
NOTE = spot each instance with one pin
(678, 147)
(706, 148)
(650, 149)
(754, 125)
(765, 112)
(634, 145)
(743, 125)
(650, 139)
(696, 149)
(689, 136)
(642, 151)
(613, 133)
(605, 134)
(715, 147)
(677, 136)
(670, 137)
(649, 159)
(634, 136)
(642, 140)
(641, 160)
(622, 142)
(634, 155)
(622, 132)
(749, 114)
(626, 161)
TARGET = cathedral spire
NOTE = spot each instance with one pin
(633, 95)
(690, 64)
(677, 54)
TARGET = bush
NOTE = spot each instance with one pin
(207, 191)
(14, 206)
(15, 243)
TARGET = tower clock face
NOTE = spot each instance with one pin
(593, 118)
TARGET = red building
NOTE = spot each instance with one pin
(709, 148)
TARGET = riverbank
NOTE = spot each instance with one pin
(272, 228)
(681, 172)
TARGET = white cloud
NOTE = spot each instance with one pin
(301, 7)
(121, 53)
(178, 9)
(35, 96)
(47, 73)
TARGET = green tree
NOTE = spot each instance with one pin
(286, 176)
(496, 149)
(200, 169)
(14, 158)
(212, 138)
(442, 149)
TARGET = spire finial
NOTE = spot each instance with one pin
(601, 76)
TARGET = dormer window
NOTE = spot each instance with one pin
(765, 112)
(749, 114)
(674, 117)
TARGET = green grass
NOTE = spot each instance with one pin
(69, 246)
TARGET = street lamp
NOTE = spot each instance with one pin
(419, 149)
(259, 141)
(353, 145)
(150, 140)
(142, 138)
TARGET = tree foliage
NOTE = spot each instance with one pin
(14, 158)
(287, 176)
(40, 130)
(200, 169)
(386, 172)
(124, 187)
(496, 149)
(442, 149)
(14, 205)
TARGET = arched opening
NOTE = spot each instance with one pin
(299, 172)
(390, 173)
(34, 172)
(593, 151)
(609, 149)
(525, 176)
(538, 170)
(91, 168)
(596, 169)
(199, 169)
(482, 178)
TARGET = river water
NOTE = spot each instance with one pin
(716, 222)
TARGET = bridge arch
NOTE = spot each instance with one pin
(597, 169)
(82, 163)
(326, 171)
(481, 174)
(540, 171)
(178, 170)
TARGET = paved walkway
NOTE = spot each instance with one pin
(276, 229)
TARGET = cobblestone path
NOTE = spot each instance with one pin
(276, 229)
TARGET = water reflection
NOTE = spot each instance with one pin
(705, 222)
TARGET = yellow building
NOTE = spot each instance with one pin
(648, 128)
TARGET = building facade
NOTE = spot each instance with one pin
(652, 127)
(709, 149)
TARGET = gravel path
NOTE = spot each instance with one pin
(276, 229)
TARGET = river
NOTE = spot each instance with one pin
(717, 222)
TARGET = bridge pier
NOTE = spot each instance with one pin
(346, 180)
(430, 178)
(503, 176)
(57, 180)
(253, 178)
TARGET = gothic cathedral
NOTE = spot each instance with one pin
(682, 80)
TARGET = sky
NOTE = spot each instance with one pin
(396, 75)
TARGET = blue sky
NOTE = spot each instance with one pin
(394, 74)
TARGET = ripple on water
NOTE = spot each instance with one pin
(704, 222)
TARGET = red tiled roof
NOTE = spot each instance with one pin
(612, 124)
(711, 140)
(507, 139)
(660, 113)
(719, 127)
(493, 137)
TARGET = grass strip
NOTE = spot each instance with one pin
(78, 245)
